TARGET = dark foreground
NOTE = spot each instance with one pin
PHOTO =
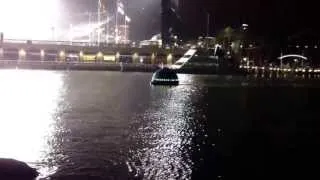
(112, 125)
(11, 169)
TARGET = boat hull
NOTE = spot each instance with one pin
(164, 83)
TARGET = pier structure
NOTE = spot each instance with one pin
(20, 50)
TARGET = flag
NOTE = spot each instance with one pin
(128, 19)
(120, 10)
(120, 7)
(120, 4)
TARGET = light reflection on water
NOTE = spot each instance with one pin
(28, 100)
(166, 135)
(113, 125)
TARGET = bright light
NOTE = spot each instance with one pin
(22, 53)
(128, 19)
(28, 135)
(100, 54)
(42, 53)
(28, 19)
(169, 57)
(117, 55)
(135, 56)
(293, 55)
(62, 54)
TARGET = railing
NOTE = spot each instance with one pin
(79, 44)
(66, 43)
(72, 62)
(60, 65)
(278, 69)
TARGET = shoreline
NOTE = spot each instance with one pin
(104, 66)
(88, 66)
(148, 68)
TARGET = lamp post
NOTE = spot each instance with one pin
(90, 29)
(71, 33)
(116, 28)
(99, 22)
(127, 20)
(53, 33)
(208, 24)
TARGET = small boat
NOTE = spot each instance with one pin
(166, 77)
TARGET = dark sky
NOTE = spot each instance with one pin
(265, 17)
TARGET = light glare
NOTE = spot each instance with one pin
(32, 19)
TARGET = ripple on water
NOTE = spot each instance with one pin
(167, 135)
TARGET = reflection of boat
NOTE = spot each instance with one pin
(165, 76)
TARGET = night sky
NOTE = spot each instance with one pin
(265, 17)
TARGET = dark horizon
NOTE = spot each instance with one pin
(265, 18)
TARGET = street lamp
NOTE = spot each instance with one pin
(42, 54)
(22, 54)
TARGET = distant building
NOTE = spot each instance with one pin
(155, 41)
(109, 24)
(169, 16)
(244, 27)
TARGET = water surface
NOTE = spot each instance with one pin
(113, 125)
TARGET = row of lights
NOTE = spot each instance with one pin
(281, 69)
(297, 46)
(250, 46)
(23, 53)
(306, 46)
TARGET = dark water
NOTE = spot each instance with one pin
(112, 125)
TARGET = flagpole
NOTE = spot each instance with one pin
(125, 29)
(107, 30)
(90, 32)
(99, 21)
(116, 33)
(208, 24)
